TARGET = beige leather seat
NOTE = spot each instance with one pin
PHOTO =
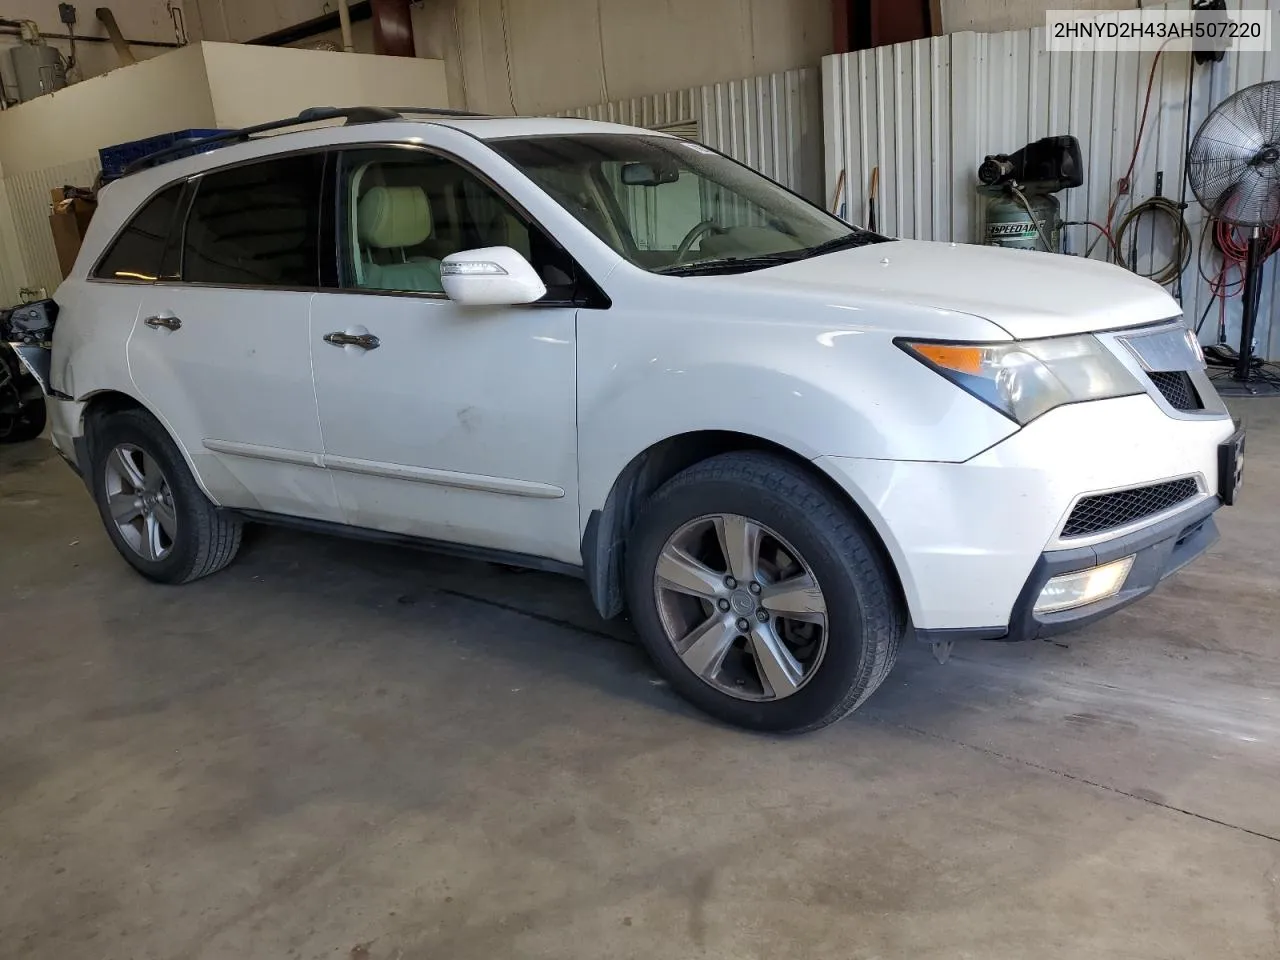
(507, 231)
(392, 219)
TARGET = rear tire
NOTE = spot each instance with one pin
(805, 632)
(153, 510)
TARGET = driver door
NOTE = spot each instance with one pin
(443, 422)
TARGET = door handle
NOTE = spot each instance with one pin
(169, 323)
(366, 341)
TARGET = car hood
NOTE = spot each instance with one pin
(1028, 294)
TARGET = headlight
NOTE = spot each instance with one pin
(1026, 378)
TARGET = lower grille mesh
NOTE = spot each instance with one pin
(1178, 390)
(1108, 511)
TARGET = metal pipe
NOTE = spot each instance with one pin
(344, 19)
(8, 31)
(1250, 302)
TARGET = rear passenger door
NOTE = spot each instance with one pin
(220, 349)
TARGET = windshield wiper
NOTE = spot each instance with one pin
(850, 241)
(724, 265)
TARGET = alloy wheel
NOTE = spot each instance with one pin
(740, 607)
(140, 502)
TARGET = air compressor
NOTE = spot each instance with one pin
(1016, 194)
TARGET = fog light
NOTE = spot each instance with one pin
(1077, 589)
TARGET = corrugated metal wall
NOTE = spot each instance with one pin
(772, 123)
(927, 113)
(36, 261)
(13, 271)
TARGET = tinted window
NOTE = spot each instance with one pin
(137, 251)
(256, 225)
(405, 211)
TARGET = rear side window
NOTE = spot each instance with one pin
(137, 251)
(256, 225)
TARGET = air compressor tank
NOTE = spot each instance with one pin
(39, 69)
(1007, 223)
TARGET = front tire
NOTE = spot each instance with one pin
(760, 596)
(153, 510)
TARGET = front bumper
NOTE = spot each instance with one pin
(1158, 551)
(971, 541)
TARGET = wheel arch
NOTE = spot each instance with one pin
(99, 404)
(604, 536)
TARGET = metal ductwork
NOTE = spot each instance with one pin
(392, 28)
(108, 20)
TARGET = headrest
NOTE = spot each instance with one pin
(393, 217)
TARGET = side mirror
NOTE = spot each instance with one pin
(490, 276)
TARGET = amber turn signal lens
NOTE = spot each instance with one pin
(950, 357)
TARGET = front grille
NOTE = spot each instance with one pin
(1108, 511)
(1178, 390)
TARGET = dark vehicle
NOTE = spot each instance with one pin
(22, 409)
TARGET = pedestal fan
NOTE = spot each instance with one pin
(1234, 169)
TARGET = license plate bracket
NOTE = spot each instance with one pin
(1231, 467)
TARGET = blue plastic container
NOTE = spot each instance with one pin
(116, 158)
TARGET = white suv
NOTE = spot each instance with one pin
(781, 444)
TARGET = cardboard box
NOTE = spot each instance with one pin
(68, 222)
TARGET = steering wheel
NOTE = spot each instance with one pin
(692, 237)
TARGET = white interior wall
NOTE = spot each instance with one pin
(534, 56)
(251, 84)
(434, 37)
(926, 113)
(993, 16)
(236, 21)
(539, 56)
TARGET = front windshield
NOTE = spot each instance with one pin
(673, 206)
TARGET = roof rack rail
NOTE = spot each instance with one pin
(352, 115)
(442, 112)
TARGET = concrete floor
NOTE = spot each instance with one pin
(340, 750)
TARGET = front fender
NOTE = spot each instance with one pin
(624, 420)
(817, 392)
